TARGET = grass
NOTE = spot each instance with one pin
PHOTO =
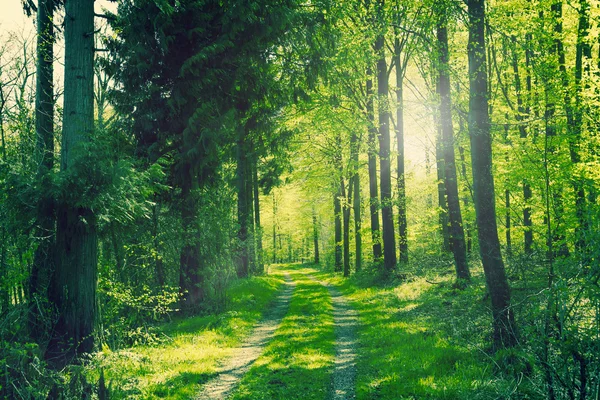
(423, 340)
(420, 338)
(298, 362)
(190, 356)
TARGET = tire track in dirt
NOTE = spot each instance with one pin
(234, 368)
(345, 320)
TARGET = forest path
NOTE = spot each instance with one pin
(345, 320)
(233, 369)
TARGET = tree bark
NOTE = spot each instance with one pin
(441, 178)
(401, 180)
(260, 267)
(191, 279)
(315, 234)
(39, 279)
(337, 210)
(373, 185)
(274, 229)
(457, 235)
(387, 214)
(504, 334)
(242, 204)
(346, 227)
(74, 283)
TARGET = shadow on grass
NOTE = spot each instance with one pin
(182, 386)
(298, 362)
(417, 341)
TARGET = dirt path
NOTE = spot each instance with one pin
(234, 368)
(345, 319)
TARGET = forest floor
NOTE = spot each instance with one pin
(302, 333)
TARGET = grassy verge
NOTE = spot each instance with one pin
(298, 362)
(423, 339)
(193, 347)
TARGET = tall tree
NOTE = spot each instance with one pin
(39, 279)
(372, 163)
(73, 290)
(387, 214)
(504, 334)
(457, 235)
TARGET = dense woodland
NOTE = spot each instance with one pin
(186, 145)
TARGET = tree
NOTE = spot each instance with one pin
(388, 235)
(457, 235)
(483, 180)
(39, 279)
(73, 290)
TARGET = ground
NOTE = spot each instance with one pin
(301, 333)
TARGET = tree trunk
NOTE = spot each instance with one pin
(346, 221)
(337, 210)
(354, 198)
(441, 176)
(387, 214)
(466, 196)
(260, 267)
(159, 267)
(357, 222)
(191, 279)
(457, 235)
(274, 229)
(39, 280)
(75, 279)
(315, 234)
(373, 185)
(507, 221)
(242, 205)
(401, 180)
(483, 181)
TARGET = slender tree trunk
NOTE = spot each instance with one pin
(257, 225)
(466, 196)
(243, 212)
(249, 186)
(346, 221)
(522, 111)
(457, 235)
(441, 176)
(387, 214)
(483, 181)
(274, 229)
(4, 295)
(507, 221)
(337, 210)
(191, 278)
(73, 290)
(159, 267)
(373, 185)
(39, 279)
(354, 198)
(357, 222)
(315, 234)
(401, 180)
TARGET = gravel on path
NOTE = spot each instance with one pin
(345, 320)
(234, 368)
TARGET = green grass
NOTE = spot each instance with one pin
(298, 362)
(419, 340)
(176, 369)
